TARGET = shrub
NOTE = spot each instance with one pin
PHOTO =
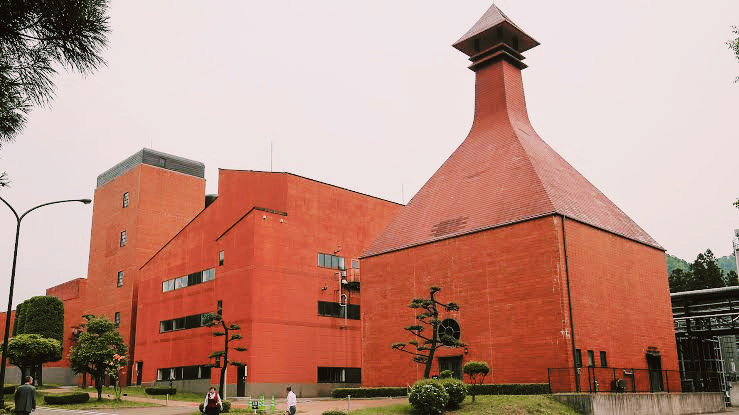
(333, 412)
(457, 392)
(446, 374)
(8, 389)
(226, 406)
(428, 397)
(368, 392)
(160, 390)
(66, 398)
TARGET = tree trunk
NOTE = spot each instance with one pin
(84, 380)
(99, 386)
(40, 375)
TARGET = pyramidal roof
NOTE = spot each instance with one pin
(503, 172)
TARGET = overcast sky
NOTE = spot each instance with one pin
(369, 95)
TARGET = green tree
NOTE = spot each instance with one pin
(476, 372)
(31, 350)
(97, 347)
(429, 316)
(228, 332)
(681, 280)
(734, 46)
(43, 315)
(703, 273)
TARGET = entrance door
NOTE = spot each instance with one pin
(451, 363)
(654, 364)
(241, 381)
(139, 370)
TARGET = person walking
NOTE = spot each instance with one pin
(25, 397)
(212, 404)
(292, 402)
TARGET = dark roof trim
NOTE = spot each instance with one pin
(318, 181)
(156, 159)
(500, 225)
(276, 212)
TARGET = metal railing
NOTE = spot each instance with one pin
(611, 379)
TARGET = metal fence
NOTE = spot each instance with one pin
(612, 379)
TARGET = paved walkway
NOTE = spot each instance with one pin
(306, 406)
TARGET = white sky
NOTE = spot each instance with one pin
(369, 95)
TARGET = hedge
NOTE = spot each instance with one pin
(511, 389)
(160, 390)
(226, 406)
(66, 398)
(333, 412)
(7, 389)
(368, 392)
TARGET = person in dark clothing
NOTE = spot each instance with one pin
(212, 404)
(25, 398)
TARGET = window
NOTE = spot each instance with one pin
(339, 375)
(328, 309)
(578, 358)
(184, 373)
(220, 258)
(125, 200)
(330, 261)
(123, 238)
(120, 278)
(591, 358)
(603, 361)
(449, 327)
(355, 263)
(188, 280)
(117, 318)
(183, 323)
(162, 162)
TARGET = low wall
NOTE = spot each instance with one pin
(644, 403)
(734, 393)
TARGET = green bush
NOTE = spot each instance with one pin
(513, 389)
(428, 397)
(8, 389)
(457, 392)
(160, 390)
(226, 406)
(368, 392)
(446, 374)
(334, 412)
(66, 398)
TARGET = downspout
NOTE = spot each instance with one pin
(569, 301)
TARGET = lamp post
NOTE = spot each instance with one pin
(12, 280)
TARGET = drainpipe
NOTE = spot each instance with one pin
(569, 301)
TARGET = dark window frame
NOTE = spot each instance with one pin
(331, 261)
(591, 358)
(188, 280)
(193, 321)
(603, 360)
(119, 281)
(125, 199)
(124, 238)
(336, 310)
(221, 258)
(117, 318)
(578, 358)
(326, 374)
(184, 372)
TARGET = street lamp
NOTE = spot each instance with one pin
(12, 280)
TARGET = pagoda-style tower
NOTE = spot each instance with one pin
(546, 268)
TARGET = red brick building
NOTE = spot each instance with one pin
(545, 268)
(268, 252)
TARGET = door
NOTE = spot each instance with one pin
(654, 364)
(139, 370)
(241, 381)
(451, 363)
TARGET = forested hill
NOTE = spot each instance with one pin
(726, 263)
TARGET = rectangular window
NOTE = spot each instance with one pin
(125, 200)
(329, 309)
(603, 361)
(355, 263)
(162, 162)
(339, 375)
(578, 358)
(184, 373)
(591, 358)
(120, 278)
(220, 258)
(117, 318)
(183, 323)
(188, 280)
(330, 261)
(123, 238)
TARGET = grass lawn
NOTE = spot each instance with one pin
(93, 403)
(489, 405)
(139, 391)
